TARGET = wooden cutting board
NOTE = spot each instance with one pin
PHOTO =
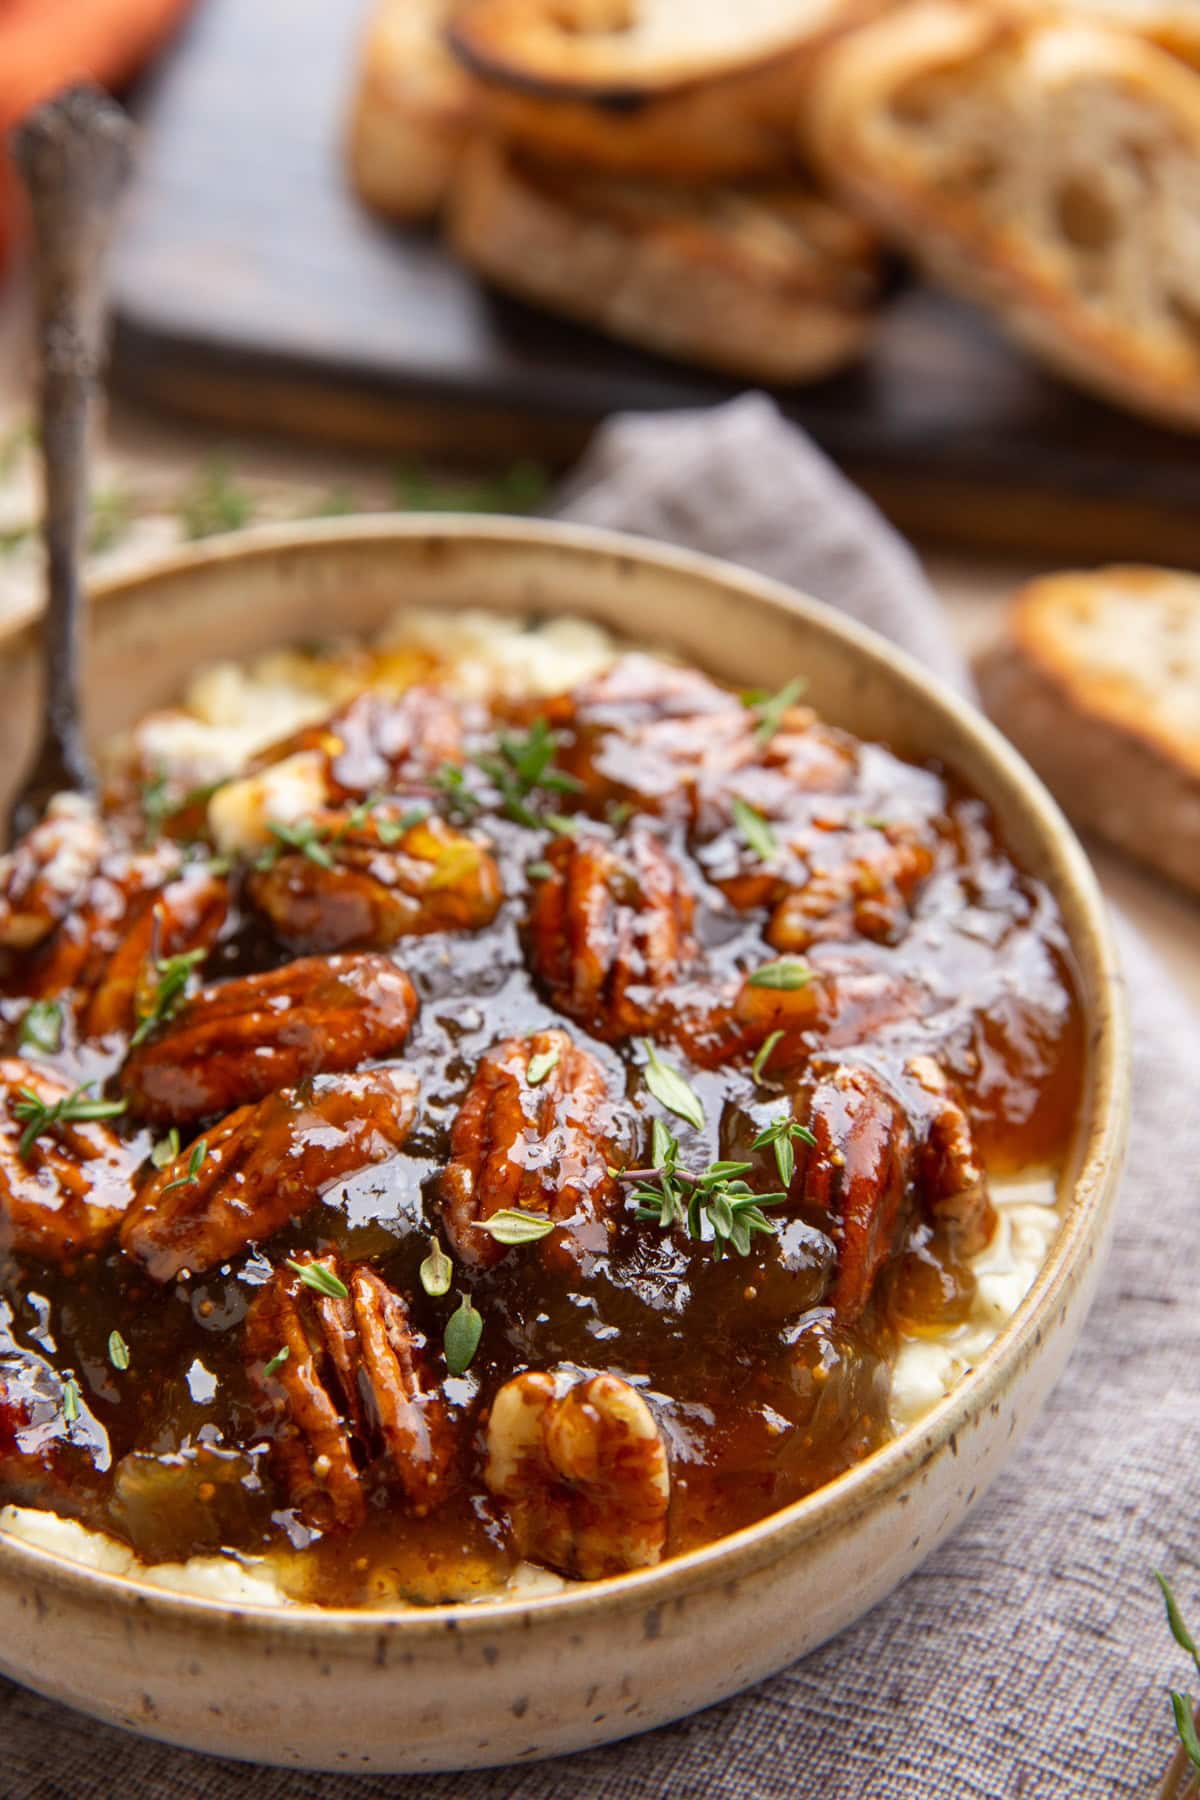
(251, 289)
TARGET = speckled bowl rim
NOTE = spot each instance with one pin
(831, 1508)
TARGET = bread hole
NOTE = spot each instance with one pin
(1085, 218)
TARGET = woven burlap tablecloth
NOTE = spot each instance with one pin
(1029, 1656)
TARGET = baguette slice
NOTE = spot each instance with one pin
(1050, 170)
(770, 283)
(411, 110)
(1098, 684)
(1172, 24)
(706, 90)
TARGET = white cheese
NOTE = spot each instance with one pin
(241, 813)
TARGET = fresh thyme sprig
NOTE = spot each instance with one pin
(518, 488)
(171, 979)
(195, 1164)
(460, 801)
(74, 1108)
(319, 842)
(159, 806)
(672, 1196)
(1183, 1706)
(215, 502)
(521, 767)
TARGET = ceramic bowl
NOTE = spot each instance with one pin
(454, 1687)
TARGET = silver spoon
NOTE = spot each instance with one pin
(74, 154)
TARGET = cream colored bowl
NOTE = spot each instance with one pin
(453, 1687)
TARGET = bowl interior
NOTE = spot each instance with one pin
(232, 599)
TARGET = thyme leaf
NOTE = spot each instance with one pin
(172, 973)
(41, 1028)
(464, 1328)
(512, 1225)
(39, 1115)
(763, 1057)
(783, 1134)
(195, 1162)
(543, 1063)
(437, 1271)
(320, 1279)
(670, 1196)
(166, 1149)
(755, 831)
(771, 710)
(786, 973)
(670, 1089)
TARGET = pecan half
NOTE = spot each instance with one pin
(67, 1194)
(432, 878)
(582, 1468)
(860, 884)
(838, 1008)
(353, 1400)
(610, 928)
(242, 1039)
(121, 888)
(186, 916)
(544, 1148)
(647, 732)
(953, 1184)
(265, 1165)
(856, 1178)
(380, 743)
(43, 875)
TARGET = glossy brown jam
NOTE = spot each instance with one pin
(445, 999)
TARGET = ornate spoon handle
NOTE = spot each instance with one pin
(74, 154)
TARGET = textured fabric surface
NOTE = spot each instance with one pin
(1029, 1656)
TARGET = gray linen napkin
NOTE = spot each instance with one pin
(1029, 1656)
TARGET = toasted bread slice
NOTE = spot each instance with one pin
(1049, 169)
(1173, 24)
(703, 91)
(1099, 684)
(411, 110)
(770, 283)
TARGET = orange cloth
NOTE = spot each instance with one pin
(44, 44)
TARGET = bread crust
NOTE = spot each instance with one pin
(1173, 25)
(685, 117)
(1031, 101)
(411, 111)
(1098, 684)
(770, 284)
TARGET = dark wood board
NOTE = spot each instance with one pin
(251, 289)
